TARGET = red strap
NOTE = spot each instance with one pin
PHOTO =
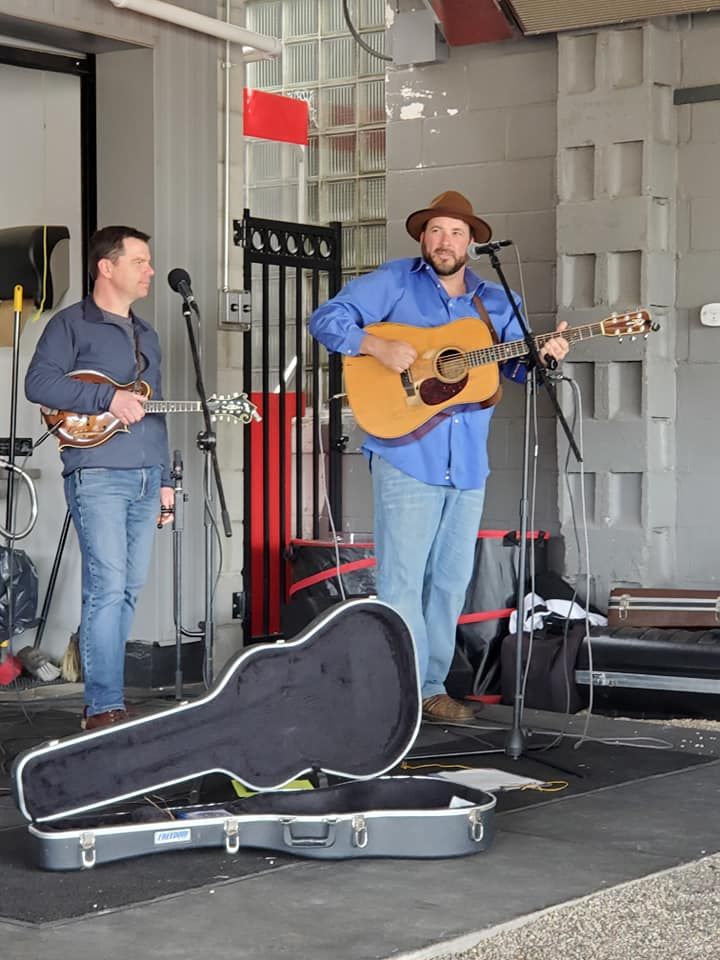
(486, 615)
(332, 572)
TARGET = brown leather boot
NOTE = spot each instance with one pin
(442, 707)
(105, 719)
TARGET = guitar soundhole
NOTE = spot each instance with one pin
(450, 365)
(433, 392)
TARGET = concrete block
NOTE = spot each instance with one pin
(403, 145)
(523, 78)
(576, 173)
(533, 233)
(661, 224)
(602, 225)
(658, 282)
(697, 279)
(699, 53)
(659, 399)
(581, 487)
(704, 125)
(625, 278)
(602, 117)
(697, 554)
(660, 174)
(625, 65)
(661, 449)
(577, 63)
(428, 91)
(703, 342)
(662, 54)
(701, 228)
(698, 167)
(625, 169)
(476, 136)
(576, 280)
(532, 131)
(664, 124)
(697, 392)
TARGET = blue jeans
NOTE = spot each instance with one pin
(425, 548)
(114, 513)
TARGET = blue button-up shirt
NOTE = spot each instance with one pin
(454, 452)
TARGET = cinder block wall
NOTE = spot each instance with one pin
(698, 282)
(616, 248)
(484, 123)
(573, 147)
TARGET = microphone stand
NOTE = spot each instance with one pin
(207, 442)
(515, 743)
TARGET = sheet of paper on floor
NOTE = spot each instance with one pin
(487, 779)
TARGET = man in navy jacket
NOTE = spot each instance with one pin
(113, 490)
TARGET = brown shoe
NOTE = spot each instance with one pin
(105, 719)
(443, 707)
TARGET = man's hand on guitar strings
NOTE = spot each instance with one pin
(396, 355)
(555, 350)
(128, 407)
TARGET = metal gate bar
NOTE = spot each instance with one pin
(297, 250)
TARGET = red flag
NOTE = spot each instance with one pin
(271, 116)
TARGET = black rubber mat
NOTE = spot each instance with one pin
(39, 896)
(573, 768)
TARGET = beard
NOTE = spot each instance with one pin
(445, 267)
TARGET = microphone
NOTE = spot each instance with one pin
(477, 250)
(179, 281)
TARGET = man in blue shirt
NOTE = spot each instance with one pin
(116, 490)
(428, 485)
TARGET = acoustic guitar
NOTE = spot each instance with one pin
(92, 429)
(456, 363)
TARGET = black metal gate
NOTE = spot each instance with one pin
(285, 267)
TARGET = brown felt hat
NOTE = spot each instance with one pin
(449, 204)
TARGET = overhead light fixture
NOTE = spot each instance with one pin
(198, 22)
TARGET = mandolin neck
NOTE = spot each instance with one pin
(172, 406)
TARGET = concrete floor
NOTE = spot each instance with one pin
(544, 855)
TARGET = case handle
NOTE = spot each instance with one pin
(293, 838)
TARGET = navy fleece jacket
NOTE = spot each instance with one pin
(80, 338)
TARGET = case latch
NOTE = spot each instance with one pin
(232, 836)
(477, 827)
(87, 850)
(717, 609)
(623, 606)
(359, 831)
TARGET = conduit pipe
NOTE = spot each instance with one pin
(198, 22)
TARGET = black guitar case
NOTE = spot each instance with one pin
(342, 699)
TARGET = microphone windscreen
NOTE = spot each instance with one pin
(178, 276)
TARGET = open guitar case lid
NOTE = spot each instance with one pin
(341, 699)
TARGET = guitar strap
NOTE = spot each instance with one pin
(480, 307)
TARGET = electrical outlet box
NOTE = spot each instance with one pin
(710, 315)
(234, 310)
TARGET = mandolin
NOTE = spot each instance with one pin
(92, 429)
(457, 363)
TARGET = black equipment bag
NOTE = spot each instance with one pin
(18, 592)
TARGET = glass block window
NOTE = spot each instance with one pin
(345, 87)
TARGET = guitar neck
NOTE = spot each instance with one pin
(172, 406)
(499, 352)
